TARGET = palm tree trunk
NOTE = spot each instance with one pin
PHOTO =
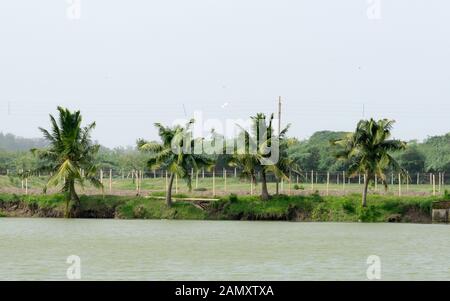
(366, 187)
(169, 191)
(264, 192)
(75, 212)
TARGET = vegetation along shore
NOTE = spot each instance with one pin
(312, 208)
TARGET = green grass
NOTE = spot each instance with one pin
(325, 209)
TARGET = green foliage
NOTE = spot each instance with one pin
(298, 208)
(233, 198)
(368, 214)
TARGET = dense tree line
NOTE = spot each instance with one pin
(315, 153)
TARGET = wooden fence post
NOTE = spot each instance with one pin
(434, 185)
(110, 180)
(225, 179)
(440, 181)
(376, 183)
(214, 181)
(400, 184)
(312, 180)
(289, 184)
(343, 181)
(196, 179)
(328, 183)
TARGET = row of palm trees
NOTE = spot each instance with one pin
(71, 154)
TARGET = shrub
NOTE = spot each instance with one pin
(368, 214)
(348, 206)
(233, 198)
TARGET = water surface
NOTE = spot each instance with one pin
(37, 249)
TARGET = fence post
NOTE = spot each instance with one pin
(214, 181)
(225, 179)
(376, 183)
(110, 180)
(440, 180)
(251, 185)
(136, 177)
(196, 179)
(235, 172)
(343, 181)
(418, 178)
(312, 180)
(434, 185)
(101, 176)
(26, 185)
(400, 184)
(289, 184)
(203, 173)
(141, 176)
(328, 183)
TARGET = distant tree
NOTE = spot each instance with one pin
(412, 159)
(368, 150)
(70, 150)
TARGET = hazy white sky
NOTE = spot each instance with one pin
(128, 64)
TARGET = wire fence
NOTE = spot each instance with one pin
(224, 181)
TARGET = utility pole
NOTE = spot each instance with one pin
(279, 131)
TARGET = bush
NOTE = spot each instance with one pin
(348, 206)
(233, 198)
(368, 214)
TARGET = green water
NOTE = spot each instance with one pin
(37, 249)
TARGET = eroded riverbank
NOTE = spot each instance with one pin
(282, 208)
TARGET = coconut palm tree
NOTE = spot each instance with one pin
(262, 141)
(368, 151)
(69, 156)
(175, 153)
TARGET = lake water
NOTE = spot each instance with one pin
(37, 249)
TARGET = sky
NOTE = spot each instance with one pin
(129, 64)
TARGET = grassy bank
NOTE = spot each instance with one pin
(287, 208)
